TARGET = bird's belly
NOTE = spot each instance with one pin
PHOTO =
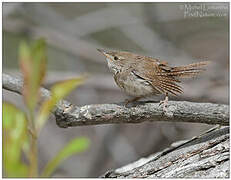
(134, 87)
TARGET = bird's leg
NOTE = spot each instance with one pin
(164, 102)
(127, 101)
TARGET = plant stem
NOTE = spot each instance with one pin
(33, 154)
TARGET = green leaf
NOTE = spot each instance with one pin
(58, 92)
(63, 88)
(74, 146)
(14, 138)
(33, 62)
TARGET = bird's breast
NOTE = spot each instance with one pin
(133, 85)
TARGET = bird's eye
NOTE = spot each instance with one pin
(116, 58)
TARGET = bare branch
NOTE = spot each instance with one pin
(68, 115)
(205, 156)
(15, 84)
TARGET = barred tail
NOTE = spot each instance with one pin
(188, 71)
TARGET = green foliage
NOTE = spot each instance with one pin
(14, 138)
(33, 62)
(20, 130)
(74, 146)
(58, 91)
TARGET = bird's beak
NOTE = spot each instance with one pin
(105, 53)
(102, 51)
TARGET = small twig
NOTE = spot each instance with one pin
(68, 115)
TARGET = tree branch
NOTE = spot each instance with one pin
(68, 115)
(205, 156)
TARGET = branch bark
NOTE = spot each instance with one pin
(68, 115)
(205, 156)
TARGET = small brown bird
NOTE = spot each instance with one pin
(142, 76)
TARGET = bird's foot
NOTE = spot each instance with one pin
(128, 101)
(164, 103)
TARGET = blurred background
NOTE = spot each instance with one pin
(180, 33)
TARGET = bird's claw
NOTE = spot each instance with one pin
(128, 101)
(164, 103)
(161, 102)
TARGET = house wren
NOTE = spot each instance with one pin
(142, 76)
